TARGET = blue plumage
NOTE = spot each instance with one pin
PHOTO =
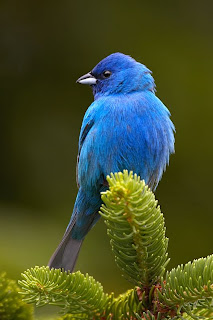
(126, 127)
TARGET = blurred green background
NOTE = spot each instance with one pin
(44, 47)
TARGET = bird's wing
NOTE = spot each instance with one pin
(86, 126)
(133, 133)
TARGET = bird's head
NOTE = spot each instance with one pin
(118, 74)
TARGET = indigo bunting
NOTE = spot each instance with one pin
(126, 127)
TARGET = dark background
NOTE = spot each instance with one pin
(44, 47)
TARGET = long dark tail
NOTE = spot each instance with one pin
(85, 215)
(66, 254)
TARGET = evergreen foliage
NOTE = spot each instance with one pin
(190, 287)
(189, 283)
(135, 226)
(73, 292)
(11, 305)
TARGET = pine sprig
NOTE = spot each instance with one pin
(80, 316)
(137, 232)
(189, 283)
(73, 292)
(189, 288)
(126, 306)
(11, 305)
(136, 228)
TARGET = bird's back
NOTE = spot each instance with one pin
(132, 132)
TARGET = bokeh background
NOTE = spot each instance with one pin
(44, 47)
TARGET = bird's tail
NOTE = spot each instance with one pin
(85, 215)
(66, 254)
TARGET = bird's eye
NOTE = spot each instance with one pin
(107, 74)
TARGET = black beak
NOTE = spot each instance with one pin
(88, 78)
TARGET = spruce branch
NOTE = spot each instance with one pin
(190, 287)
(189, 283)
(126, 306)
(73, 292)
(136, 228)
(80, 316)
(137, 232)
(11, 305)
(79, 296)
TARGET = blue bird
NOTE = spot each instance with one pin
(126, 127)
